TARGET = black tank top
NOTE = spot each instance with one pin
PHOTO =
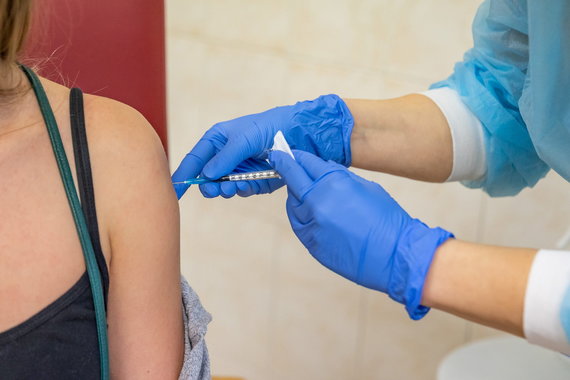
(60, 341)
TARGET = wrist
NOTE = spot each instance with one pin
(322, 126)
(414, 255)
(434, 286)
(485, 284)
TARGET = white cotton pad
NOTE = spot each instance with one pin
(280, 144)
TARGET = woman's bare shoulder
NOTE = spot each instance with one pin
(122, 128)
(128, 160)
(128, 157)
(114, 128)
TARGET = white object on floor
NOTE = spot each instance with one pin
(504, 358)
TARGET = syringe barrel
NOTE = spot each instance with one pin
(250, 176)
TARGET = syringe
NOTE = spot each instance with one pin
(248, 176)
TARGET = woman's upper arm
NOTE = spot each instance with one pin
(141, 219)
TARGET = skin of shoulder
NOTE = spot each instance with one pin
(138, 213)
(126, 155)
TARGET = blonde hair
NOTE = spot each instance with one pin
(14, 25)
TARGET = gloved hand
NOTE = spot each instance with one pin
(353, 227)
(321, 126)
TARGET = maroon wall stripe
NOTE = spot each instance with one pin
(107, 47)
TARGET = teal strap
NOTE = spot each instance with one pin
(84, 238)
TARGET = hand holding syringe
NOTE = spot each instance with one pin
(279, 143)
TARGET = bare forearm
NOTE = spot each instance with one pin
(406, 136)
(481, 283)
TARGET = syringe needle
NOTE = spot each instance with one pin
(193, 181)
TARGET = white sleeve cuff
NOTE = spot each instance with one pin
(548, 282)
(469, 161)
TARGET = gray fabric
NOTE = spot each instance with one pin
(196, 359)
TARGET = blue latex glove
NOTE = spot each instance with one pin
(321, 126)
(353, 227)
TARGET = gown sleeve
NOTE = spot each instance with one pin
(546, 317)
(490, 81)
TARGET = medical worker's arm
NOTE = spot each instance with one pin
(138, 211)
(485, 284)
(516, 290)
(406, 136)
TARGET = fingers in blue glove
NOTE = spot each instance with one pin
(267, 186)
(215, 189)
(246, 189)
(241, 188)
(228, 189)
(192, 165)
(228, 158)
(315, 166)
(297, 180)
(210, 190)
(299, 174)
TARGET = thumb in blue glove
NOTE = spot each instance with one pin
(353, 227)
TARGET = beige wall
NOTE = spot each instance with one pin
(277, 313)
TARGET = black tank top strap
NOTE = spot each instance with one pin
(85, 180)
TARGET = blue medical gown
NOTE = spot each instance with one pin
(516, 80)
(565, 314)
